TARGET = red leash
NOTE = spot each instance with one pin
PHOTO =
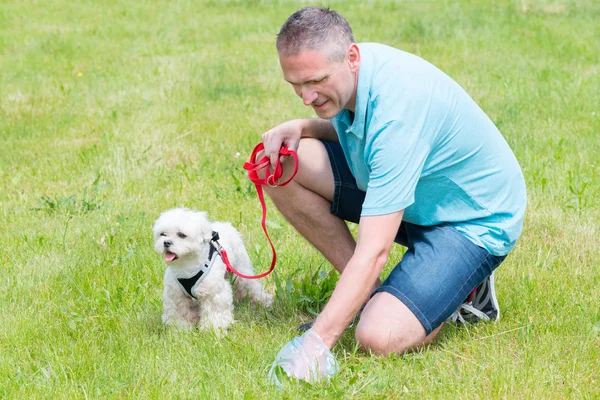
(270, 179)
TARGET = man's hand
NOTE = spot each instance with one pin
(287, 134)
(307, 358)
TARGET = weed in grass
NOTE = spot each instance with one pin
(577, 187)
(305, 289)
(74, 205)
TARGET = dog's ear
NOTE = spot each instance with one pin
(204, 227)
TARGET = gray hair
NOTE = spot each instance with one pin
(315, 28)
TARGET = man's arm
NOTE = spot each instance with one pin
(375, 238)
(290, 132)
(318, 129)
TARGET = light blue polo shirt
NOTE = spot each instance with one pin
(417, 142)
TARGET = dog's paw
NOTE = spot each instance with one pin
(219, 322)
(266, 299)
(178, 324)
(220, 332)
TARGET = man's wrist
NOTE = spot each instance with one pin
(305, 128)
(329, 338)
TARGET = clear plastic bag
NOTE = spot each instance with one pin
(306, 358)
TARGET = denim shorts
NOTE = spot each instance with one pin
(440, 266)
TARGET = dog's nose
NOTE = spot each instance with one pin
(168, 243)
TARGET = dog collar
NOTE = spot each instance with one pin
(188, 285)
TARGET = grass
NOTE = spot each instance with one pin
(111, 112)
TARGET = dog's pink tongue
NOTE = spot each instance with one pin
(170, 256)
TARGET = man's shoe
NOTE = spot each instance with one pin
(306, 326)
(480, 305)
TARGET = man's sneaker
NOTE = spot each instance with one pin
(306, 326)
(480, 305)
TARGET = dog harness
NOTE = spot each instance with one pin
(188, 285)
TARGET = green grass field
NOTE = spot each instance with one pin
(111, 112)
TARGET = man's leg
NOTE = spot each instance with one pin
(305, 202)
(387, 326)
(438, 270)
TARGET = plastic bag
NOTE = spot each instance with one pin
(306, 358)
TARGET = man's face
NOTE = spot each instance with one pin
(327, 86)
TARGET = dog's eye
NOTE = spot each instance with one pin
(163, 234)
(182, 235)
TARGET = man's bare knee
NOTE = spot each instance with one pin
(383, 334)
(379, 341)
(372, 339)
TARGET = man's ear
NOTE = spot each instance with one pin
(354, 57)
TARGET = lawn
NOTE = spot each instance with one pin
(113, 111)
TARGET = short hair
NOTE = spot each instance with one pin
(315, 28)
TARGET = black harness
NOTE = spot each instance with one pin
(189, 284)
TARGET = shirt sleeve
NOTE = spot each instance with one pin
(395, 154)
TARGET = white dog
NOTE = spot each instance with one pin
(196, 290)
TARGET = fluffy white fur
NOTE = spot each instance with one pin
(182, 236)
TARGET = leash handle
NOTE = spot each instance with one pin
(270, 179)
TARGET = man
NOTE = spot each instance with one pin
(402, 150)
